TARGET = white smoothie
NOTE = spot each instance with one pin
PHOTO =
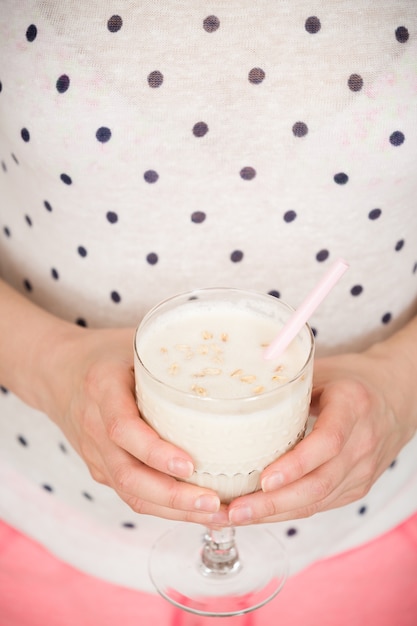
(203, 384)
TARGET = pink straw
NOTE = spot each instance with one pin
(305, 310)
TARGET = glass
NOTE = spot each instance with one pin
(231, 436)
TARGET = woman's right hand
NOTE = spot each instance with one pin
(83, 380)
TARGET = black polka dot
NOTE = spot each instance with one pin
(54, 274)
(200, 129)
(152, 258)
(87, 496)
(393, 464)
(236, 256)
(103, 134)
(128, 525)
(31, 33)
(312, 24)
(48, 488)
(151, 176)
(211, 23)
(399, 245)
(4, 390)
(82, 251)
(355, 82)
(386, 318)
(25, 134)
(414, 268)
(362, 510)
(397, 138)
(341, 178)
(114, 23)
(198, 217)
(112, 217)
(1, 86)
(63, 447)
(247, 173)
(289, 216)
(23, 441)
(28, 220)
(314, 331)
(6, 231)
(322, 255)
(356, 290)
(374, 214)
(115, 296)
(256, 75)
(62, 83)
(47, 206)
(80, 321)
(300, 129)
(66, 179)
(14, 157)
(274, 293)
(27, 285)
(155, 79)
(291, 532)
(402, 34)
(4, 166)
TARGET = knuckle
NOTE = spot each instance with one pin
(310, 510)
(269, 508)
(154, 454)
(297, 463)
(98, 476)
(123, 479)
(335, 442)
(137, 505)
(362, 396)
(174, 496)
(366, 478)
(115, 429)
(321, 487)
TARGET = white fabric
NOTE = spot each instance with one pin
(247, 151)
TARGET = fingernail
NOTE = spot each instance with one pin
(209, 504)
(272, 481)
(240, 514)
(180, 467)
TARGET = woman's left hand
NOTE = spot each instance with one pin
(366, 408)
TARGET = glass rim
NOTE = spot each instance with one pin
(206, 399)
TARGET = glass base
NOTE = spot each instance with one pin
(177, 572)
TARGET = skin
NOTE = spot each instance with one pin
(366, 408)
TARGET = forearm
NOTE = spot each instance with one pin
(397, 357)
(28, 335)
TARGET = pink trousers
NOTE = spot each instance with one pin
(374, 585)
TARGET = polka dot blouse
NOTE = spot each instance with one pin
(154, 147)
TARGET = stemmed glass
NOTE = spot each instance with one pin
(221, 571)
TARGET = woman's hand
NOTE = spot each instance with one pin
(366, 407)
(90, 396)
(83, 380)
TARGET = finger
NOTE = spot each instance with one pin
(132, 478)
(128, 431)
(304, 497)
(141, 500)
(330, 433)
(219, 519)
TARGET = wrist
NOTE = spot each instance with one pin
(395, 365)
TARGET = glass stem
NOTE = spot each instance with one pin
(219, 554)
